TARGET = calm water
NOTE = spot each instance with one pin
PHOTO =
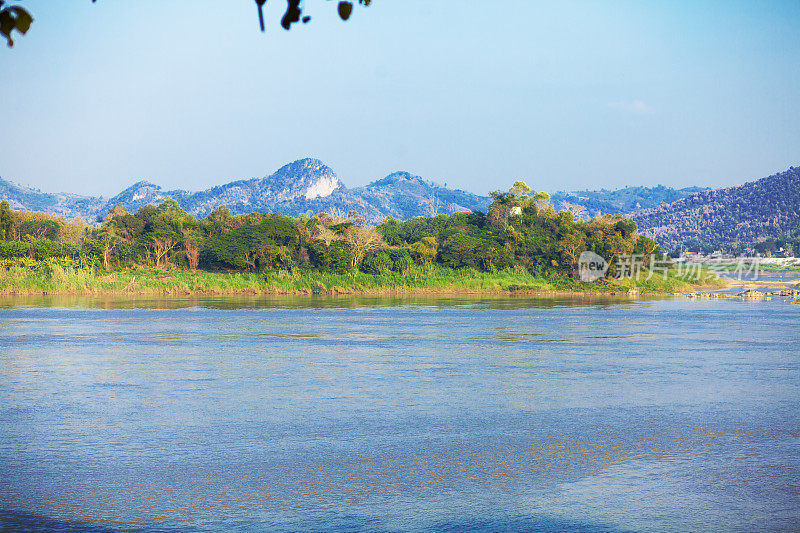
(382, 414)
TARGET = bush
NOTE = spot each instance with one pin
(335, 257)
(9, 249)
(378, 263)
(401, 261)
(459, 251)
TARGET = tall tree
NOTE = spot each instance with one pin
(6, 221)
(163, 229)
(424, 250)
(362, 239)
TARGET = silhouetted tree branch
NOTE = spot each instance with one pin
(18, 18)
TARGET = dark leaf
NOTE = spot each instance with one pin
(14, 18)
(292, 14)
(7, 25)
(24, 19)
(345, 9)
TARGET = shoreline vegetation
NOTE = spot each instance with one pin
(522, 245)
(65, 280)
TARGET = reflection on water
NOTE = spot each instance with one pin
(561, 414)
(112, 302)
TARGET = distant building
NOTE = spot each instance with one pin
(516, 211)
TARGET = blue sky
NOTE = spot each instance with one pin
(564, 95)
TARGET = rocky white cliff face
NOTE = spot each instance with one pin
(323, 187)
(148, 195)
(306, 178)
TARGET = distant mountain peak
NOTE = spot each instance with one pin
(307, 177)
(143, 183)
(137, 195)
(306, 164)
(403, 177)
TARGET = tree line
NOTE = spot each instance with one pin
(519, 230)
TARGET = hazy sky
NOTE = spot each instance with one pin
(564, 95)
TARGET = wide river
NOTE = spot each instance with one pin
(355, 414)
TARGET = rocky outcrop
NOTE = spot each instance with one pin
(751, 294)
(793, 293)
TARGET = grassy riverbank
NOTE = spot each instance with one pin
(433, 279)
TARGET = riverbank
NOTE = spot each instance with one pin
(58, 280)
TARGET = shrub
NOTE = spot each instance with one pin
(377, 263)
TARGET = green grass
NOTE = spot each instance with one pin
(58, 279)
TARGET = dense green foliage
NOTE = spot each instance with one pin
(517, 232)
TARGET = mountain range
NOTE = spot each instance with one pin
(302, 186)
(309, 185)
(764, 208)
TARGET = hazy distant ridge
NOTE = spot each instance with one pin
(624, 200)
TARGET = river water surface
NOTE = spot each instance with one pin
(399, 414)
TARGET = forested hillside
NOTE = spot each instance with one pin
(767, 208)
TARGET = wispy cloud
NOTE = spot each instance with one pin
(636, 107)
